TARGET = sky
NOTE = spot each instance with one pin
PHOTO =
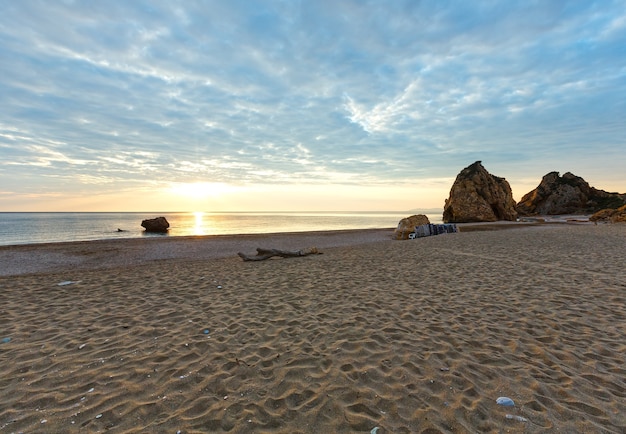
(294, 105)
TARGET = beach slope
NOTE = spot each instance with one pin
(408, 336)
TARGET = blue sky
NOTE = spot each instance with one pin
(303, 105)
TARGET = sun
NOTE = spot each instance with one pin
(199, 196)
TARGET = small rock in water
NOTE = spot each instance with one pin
(507, 402)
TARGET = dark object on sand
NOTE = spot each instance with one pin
(159, 224)
(263, 254)
(431, 229)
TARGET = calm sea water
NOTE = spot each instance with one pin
(32, 228)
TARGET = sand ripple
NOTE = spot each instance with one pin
(416, 336)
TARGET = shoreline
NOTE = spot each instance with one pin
(100, 254)
(19, 259)
(541, 219)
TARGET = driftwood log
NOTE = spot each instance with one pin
(262, 254)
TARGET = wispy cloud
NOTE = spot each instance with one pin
(311, 91)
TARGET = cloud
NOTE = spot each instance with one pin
(311, 91)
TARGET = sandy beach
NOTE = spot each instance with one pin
(374, 335)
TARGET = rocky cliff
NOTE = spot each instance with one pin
(610, 215)
(567, 194)
(478, 196)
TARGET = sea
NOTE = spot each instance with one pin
(54, 227)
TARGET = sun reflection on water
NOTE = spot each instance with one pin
(198, 228)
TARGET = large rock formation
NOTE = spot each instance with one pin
(567, 194)
(478, 196)
(159, 224)
(610, 215)
(407, 225)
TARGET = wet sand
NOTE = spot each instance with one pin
(408, 336)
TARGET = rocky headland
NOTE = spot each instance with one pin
(478, 196)
(567, 194)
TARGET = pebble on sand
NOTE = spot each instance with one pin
(507, 402)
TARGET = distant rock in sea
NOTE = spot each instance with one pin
(159, 224)
(478, 196)
(567, 194)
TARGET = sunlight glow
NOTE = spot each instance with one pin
(200, 190)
